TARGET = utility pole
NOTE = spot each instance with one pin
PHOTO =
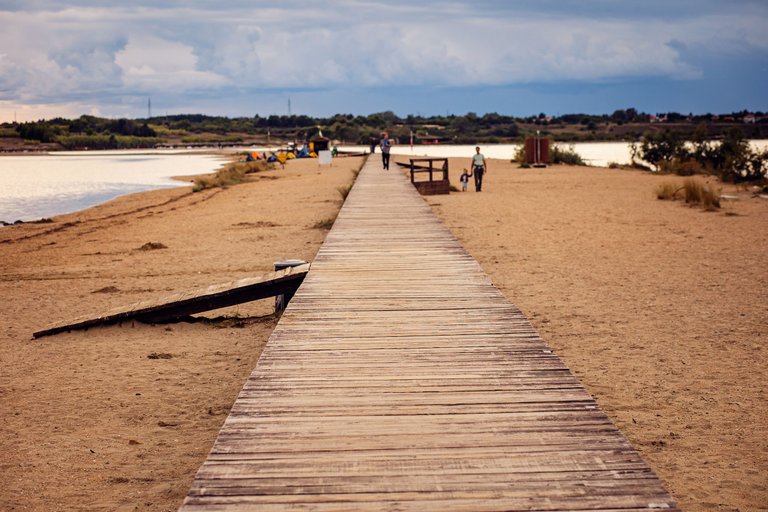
(149, 107)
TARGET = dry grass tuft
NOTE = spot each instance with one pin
(231, 174)
(344, 190)
(668, 191)
(701, 194)
(324, 224)
(695, 193)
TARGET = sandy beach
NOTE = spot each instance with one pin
(658, 308)
(120, 418)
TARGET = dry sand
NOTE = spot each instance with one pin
(120, 418)
(659, 309)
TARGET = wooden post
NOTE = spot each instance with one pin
(282, 300)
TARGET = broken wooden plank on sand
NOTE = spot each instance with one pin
(184, 304)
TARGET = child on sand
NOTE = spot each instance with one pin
(465, 180)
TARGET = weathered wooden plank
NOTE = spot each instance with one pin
(400, 378)
(188, 303)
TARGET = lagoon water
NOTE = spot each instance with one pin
(38, 186)
(594, 153)
(597, 153)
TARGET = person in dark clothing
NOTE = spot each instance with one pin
(386, 144)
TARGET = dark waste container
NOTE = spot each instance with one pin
(537, 150)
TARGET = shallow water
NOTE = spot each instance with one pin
(599, 154)
(38, 186)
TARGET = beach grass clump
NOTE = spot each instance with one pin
(667, 191)
(224, 178)
(344, 190)
(710, 200)
(693, 191)
(701, 194)
(227, 176)
(250, 167)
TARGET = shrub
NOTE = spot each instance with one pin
(519, 155)
(657, 148)
(681, 167)
(105, 141)
(732, 159)
(568, 156)
(689, 168)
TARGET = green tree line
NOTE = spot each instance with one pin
(625, 124)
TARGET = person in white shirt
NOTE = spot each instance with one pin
(479, 167)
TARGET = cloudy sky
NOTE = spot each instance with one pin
(518, 57)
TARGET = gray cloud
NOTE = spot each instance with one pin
(58, 52)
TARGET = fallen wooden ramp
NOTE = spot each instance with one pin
(189, 303)
(399, 378)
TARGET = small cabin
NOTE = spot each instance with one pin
(320, 143)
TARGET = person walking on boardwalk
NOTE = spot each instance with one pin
(479, 167)
(386, 144)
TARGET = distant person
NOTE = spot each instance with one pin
(479, 167)
(334, 151)
(386, 144)
(282, 157)
(465, 180)
(373, 145)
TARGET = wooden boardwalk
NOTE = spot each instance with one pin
(400, 379)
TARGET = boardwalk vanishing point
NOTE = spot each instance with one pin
(400, 379)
